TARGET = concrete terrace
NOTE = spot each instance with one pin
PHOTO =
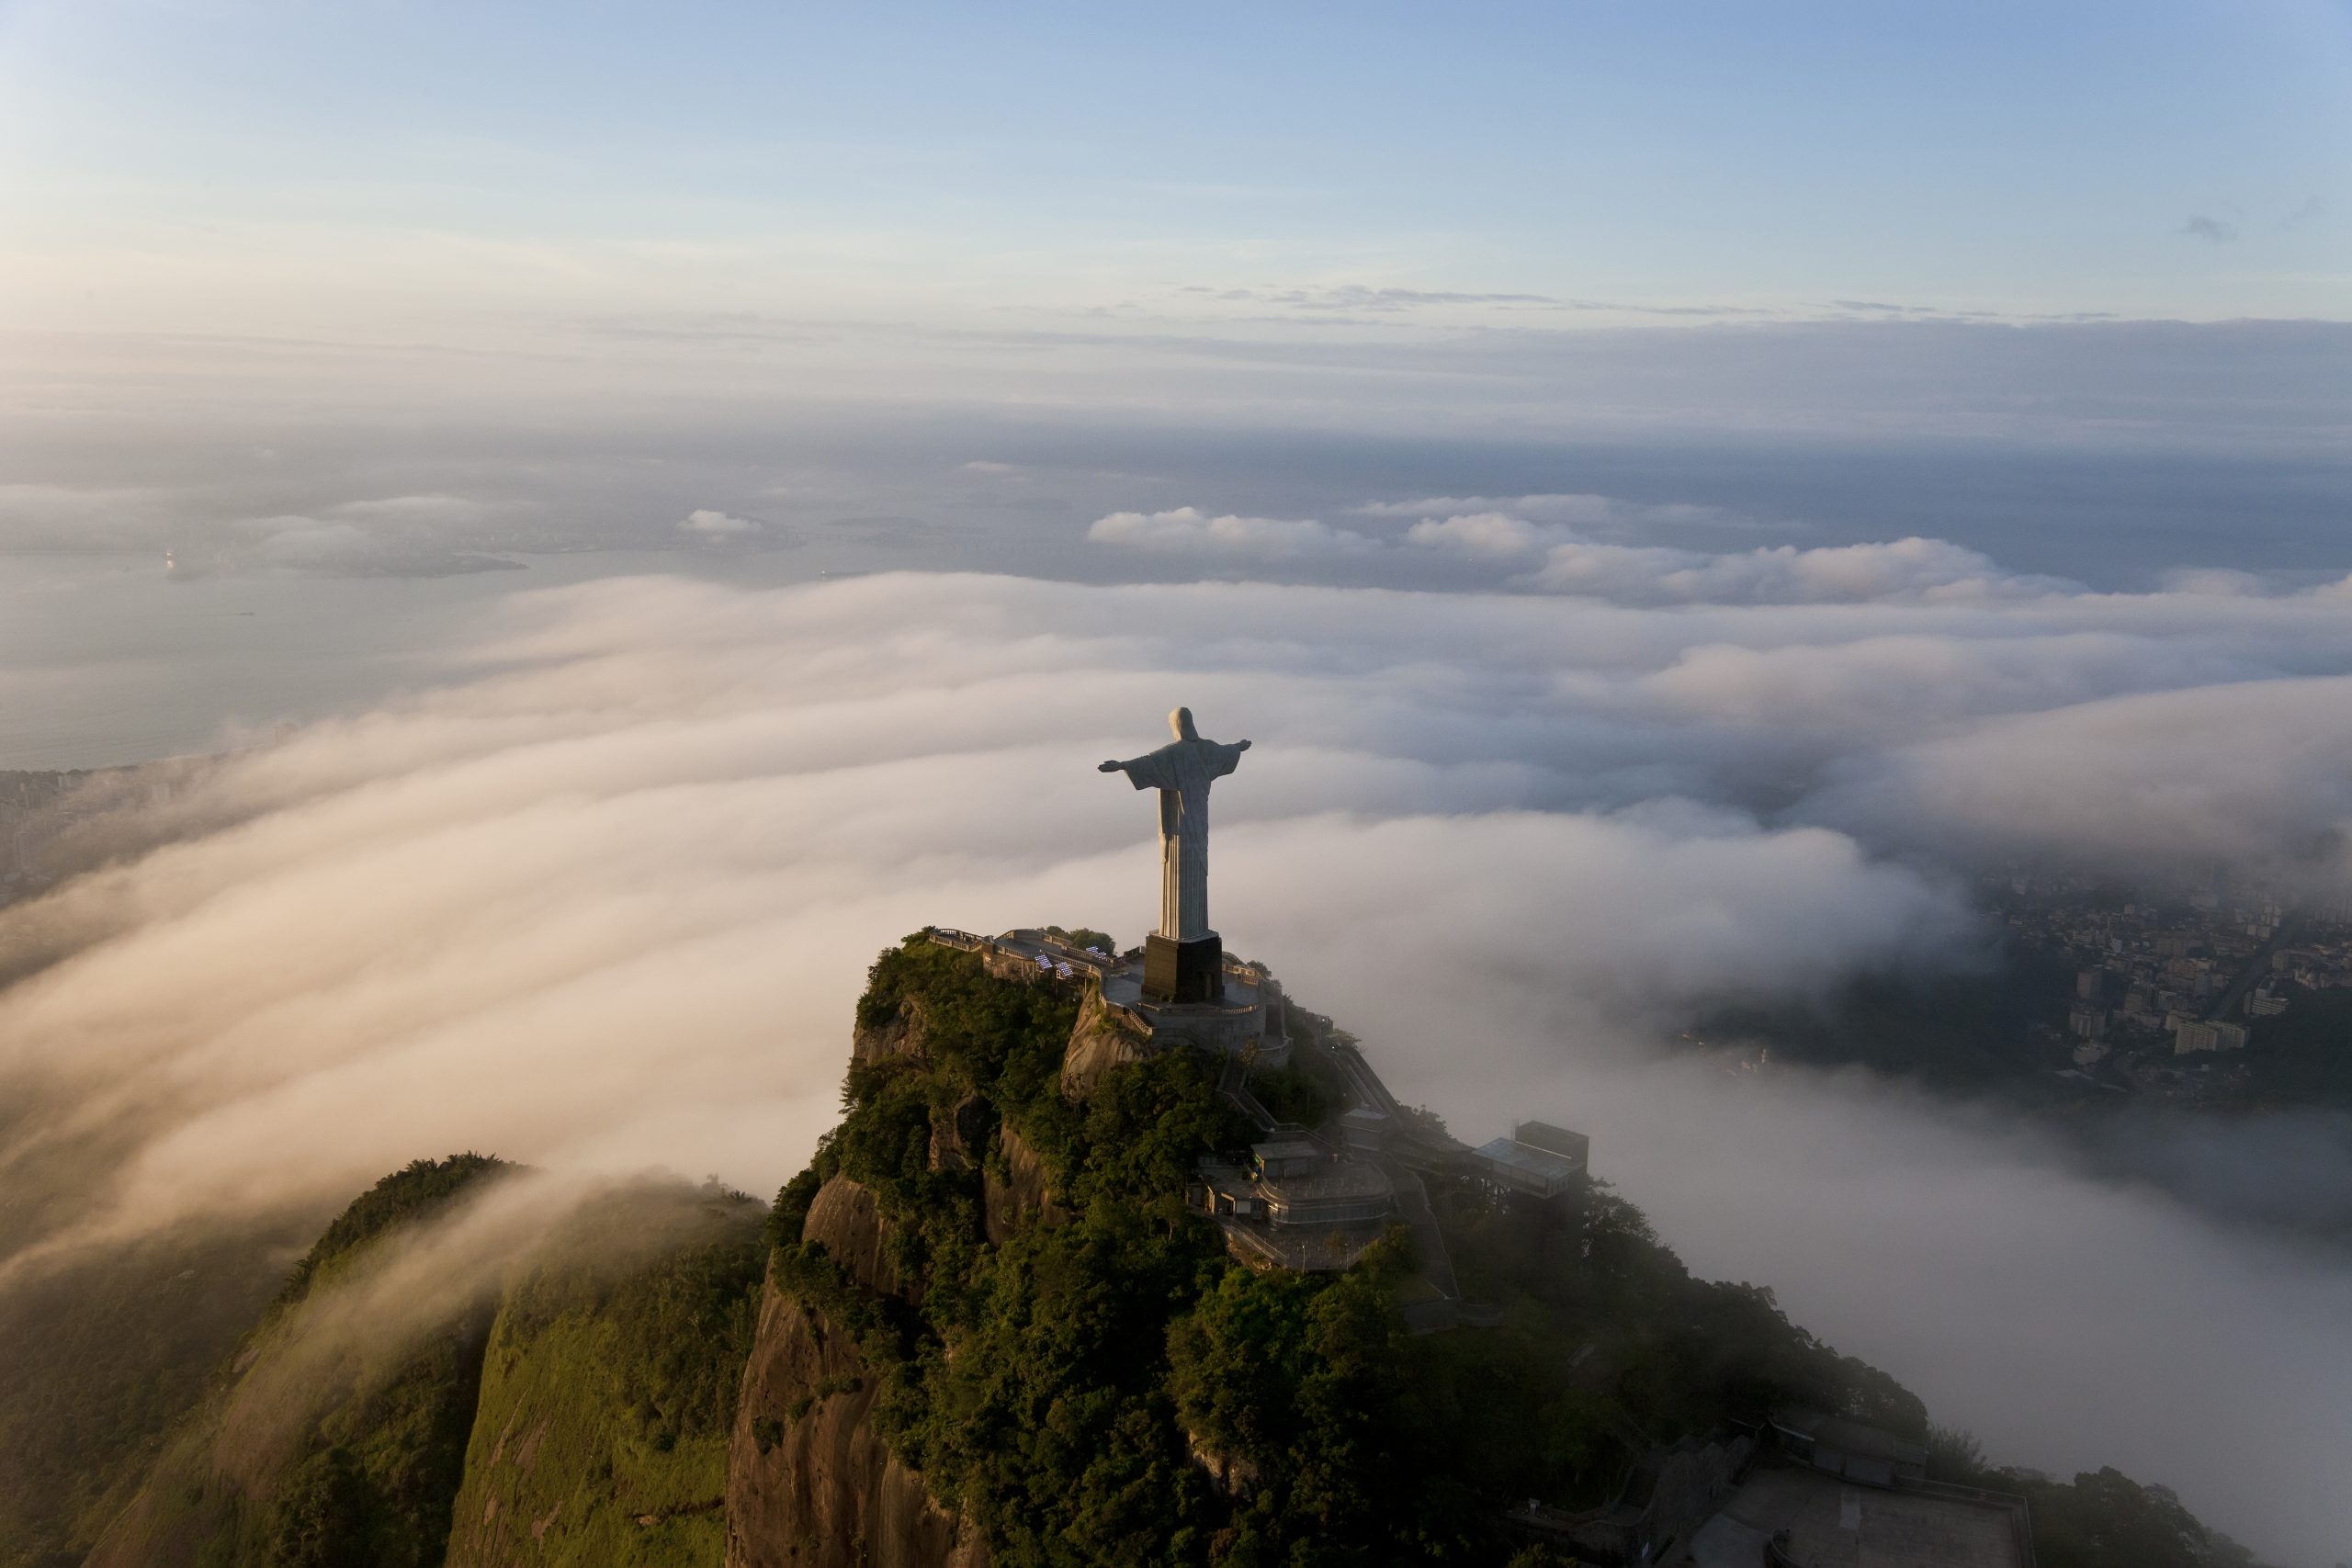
(1834, 1523)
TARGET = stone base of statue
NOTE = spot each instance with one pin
(1182, 972)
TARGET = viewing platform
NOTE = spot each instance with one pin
(1305, 1199)
(1247, 1022)
(1297, 1205)
(1538, 1160)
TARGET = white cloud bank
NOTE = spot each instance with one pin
(1778, 574)
(1594, 513)
(1546, 544)
(604, 900)
(706, 523)
(1187, 530)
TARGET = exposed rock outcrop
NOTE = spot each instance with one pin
(1234, 1477)
(810, 1484)
(902, 1034)
(958, 1136)
(844, 1216)
(1008, 1202)
(1103, 1037)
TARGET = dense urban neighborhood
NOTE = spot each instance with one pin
(2168, 996)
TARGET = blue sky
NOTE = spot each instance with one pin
(262, 166)
(2068, 283)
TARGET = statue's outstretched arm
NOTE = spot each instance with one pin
(1145, 773)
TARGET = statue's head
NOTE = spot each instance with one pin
(1180, 721)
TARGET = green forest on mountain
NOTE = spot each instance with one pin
(1061, 1387)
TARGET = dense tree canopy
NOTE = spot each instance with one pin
(1117, 1389)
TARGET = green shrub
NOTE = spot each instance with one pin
(322, 1519)
(2105, 1519)
(1292, 1094)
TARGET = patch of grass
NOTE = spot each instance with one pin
(608, 1397)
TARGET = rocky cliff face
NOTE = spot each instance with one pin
(1020, 1193)
(846, 1219)
(808, 1483)
(1101, 1041)
(959, 1133)
(901, 1035)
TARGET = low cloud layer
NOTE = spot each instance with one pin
(1558, 559)
(713, 528)
(2108, 454)
(1532, 544)
(602, 899)
(1186, 530)
(1601, 515)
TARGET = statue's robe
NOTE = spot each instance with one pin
(1181, 771)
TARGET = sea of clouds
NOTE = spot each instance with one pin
(601, 896)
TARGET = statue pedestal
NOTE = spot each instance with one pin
(1183, 971)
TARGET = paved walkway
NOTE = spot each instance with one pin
(1835, 1524)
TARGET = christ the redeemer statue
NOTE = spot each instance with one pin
(1183, 961)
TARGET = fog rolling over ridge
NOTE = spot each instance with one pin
(600, 893)
(535, 541)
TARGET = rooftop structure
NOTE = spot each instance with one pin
(1671, 1493)
(1526, 1167)
(1297, 1204)
(2216, 1035)
(1851, 1448)
(1839, 1493)
(1366, 1128)
(1554, 1140)
(1290, 1157)
(1815, 1520)
(1821, 1492)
